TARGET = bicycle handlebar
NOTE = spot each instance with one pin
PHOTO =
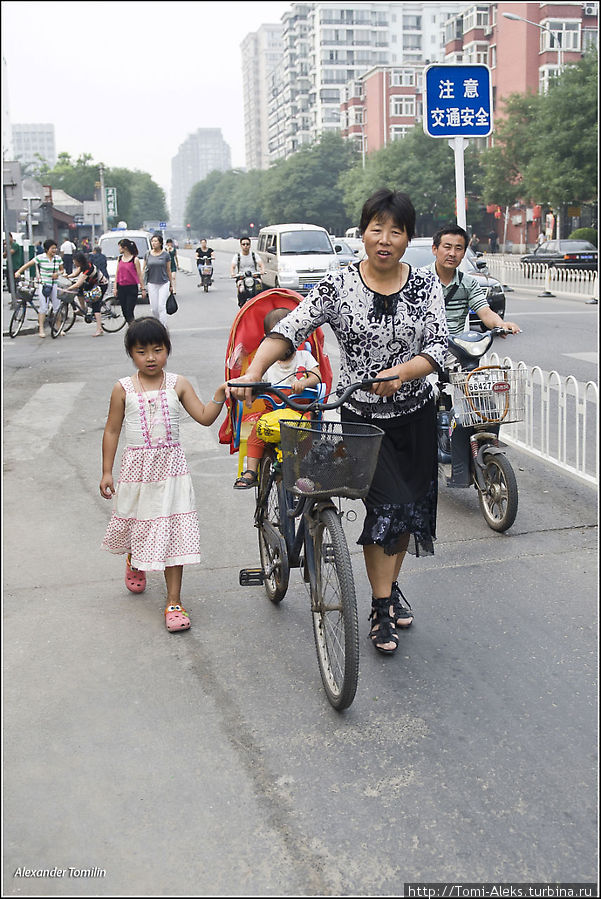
(265, 386)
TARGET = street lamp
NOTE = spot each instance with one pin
(557, 35)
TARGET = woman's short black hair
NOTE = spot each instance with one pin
(384, 204)
(146, 331)
(159, 237)
(81, 260)
(49, 243)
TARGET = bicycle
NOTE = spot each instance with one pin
(309, 462)
(112, 318)
(26, 291)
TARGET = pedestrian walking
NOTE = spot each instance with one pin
(66, 250)
(159, 278)
(154, 519)
(170, 247)
(493, 241)
(98, 259)
(389, 320)
(128, 278)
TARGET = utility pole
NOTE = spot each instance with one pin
(102, 198)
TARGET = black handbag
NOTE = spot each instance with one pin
(171, 305)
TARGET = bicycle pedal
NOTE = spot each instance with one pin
(252, 577)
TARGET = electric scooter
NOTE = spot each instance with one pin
(481, 399)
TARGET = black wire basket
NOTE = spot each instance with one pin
(329, 458)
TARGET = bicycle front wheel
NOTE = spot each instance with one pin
(58, 319)
(69, 317)
(334, 609)
(112, 318)
(17, 319)
(272, 544)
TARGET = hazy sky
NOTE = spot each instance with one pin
(128, 81)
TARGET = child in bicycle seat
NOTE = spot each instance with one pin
(298, 371)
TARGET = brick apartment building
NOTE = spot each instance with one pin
(384, 103)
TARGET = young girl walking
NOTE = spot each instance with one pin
(154, 517)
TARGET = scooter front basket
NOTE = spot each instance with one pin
(491, 394)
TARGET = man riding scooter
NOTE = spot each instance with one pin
(246, 261)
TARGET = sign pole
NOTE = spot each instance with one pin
(458, 145)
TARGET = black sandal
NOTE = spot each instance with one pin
(383, 628)
(403, 616)
(244, 483)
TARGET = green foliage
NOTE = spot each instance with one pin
(139, 198)
(422, 167)
(302, 188)
(589, 234)
(562, 167)
(545, 147)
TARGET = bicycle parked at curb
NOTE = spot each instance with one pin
(308, 463)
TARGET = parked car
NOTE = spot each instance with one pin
(419, 254)
(345, 251)
(296, 256)
(579, 254)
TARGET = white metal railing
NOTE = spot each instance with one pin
(561, 424)
(574, 282)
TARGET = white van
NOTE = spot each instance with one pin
(353, 233)
(296, 256)
(109, 245)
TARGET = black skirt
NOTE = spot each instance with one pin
(403, 495)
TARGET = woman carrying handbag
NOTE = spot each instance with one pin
(159, 278)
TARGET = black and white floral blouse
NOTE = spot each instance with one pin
(375, 332)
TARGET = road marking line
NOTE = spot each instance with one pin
(31, 429)
(584, 357)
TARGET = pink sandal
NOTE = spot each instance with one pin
(135, 580)
(176, 618)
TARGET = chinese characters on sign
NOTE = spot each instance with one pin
(111, 200)
(458, 101)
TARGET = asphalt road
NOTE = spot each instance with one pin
(209, 762)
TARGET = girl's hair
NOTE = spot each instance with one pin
(146, 331)
(385, 204)
(49, 243)
(129, 245)
(159, 237)
(81, 260)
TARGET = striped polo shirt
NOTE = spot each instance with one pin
(47, 267)
(469, 295)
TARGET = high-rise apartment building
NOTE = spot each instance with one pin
(34, 142)
(327, 45)
(261, 54)
(202, 152)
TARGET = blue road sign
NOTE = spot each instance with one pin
(458, 101)
(162, 225)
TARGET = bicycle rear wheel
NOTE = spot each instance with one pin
(334, 609)
(17, 319)
(272, 545)
(112, 317)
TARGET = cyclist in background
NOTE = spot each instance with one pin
(204, 255)
(87, 276)
(50, 266)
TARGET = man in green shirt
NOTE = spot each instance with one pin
(461, 290)
(16, 254)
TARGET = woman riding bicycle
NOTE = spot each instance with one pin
(389, 319)
(86, 277)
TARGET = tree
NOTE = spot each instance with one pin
(422, 167)
(562, 164)
(505, 162)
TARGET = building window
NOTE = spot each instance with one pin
(412, 42)
(475, 17)
(590, 39)
(398, 132)
(493, 57)
(402, 106)
(569, 33)
(402, 78)
(412, 23)
(545, 76)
